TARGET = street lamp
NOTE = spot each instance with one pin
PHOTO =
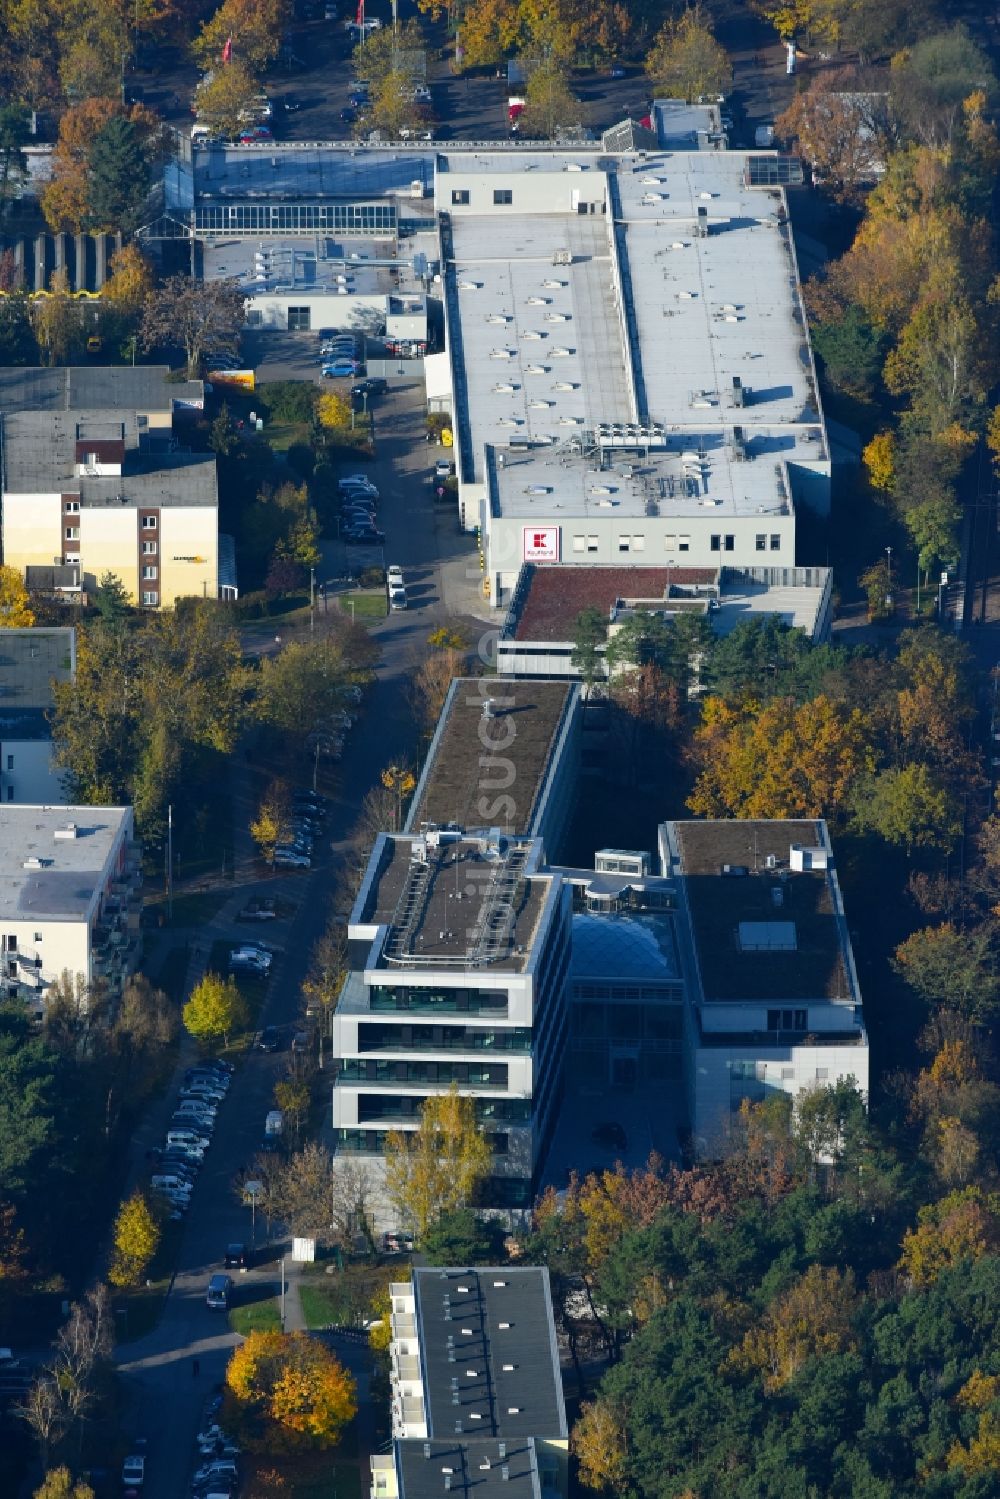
(888, 577)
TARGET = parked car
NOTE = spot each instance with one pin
(394, 575)
(443, 468)
(205, 1069)
(218, 1295)
(251, 959)
(183, 1134)
(192, 1154)
(397, 598)
(269, 1038)
(258, 910)
(364, 537)
(201, 1108)
(340, 369)
(374, 385)
(237, 1257)
(289, 859)
(202, 1088)
(362, 481)
(134, 1471)
(168, 1181)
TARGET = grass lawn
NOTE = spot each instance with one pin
(138, 1311)
(339, 1481)
(284, 435)
(370, 604)
(342, 1298)
(256, 1316)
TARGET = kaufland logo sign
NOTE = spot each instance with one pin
(541, 543)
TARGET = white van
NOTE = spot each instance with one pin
(200, 133)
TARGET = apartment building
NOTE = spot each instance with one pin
(31, 663)
(69, 898)
(476, 1388)
(93, 489)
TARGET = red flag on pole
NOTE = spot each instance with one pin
(227, 51)
(361, 13)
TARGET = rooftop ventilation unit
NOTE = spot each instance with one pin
(562, 257)
(69, 831)
(701, 226)
(739, 393)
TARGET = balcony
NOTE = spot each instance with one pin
(430, 1075)
(433, 1038)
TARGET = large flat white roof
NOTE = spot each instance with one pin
(714, 307)
(526, 374)
(546, 359)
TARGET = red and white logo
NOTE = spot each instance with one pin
(541, 543)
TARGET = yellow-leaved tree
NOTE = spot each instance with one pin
(136, 1238)
(15, 606)
(436, 1168)
(965, 1225)
(332, 410)
(600, 1446)
(814, 1317)
(215, 1009)
(291, 1392)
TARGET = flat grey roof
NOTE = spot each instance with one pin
(457, 786)
(797, 605)
(63, 888)
(30, 660)
(40, 457)
(458, 903)
(170, 479)
(488, 1336)
(691, 476)
(527, 375)
(143, 387)
(507, 1469)
(322, 264)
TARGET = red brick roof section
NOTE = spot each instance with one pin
(558, 595)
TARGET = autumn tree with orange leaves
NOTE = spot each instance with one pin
(287, 1392)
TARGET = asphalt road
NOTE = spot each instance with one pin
(163, 1397)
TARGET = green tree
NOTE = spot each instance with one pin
(851, 350)
(18, 345)
(908, 806)
(944, 965)
(215, 1008)
(437, 1167)
(589, 633)
(111, 600)
(136, 1238)
(225, 100)
(685, 61)
(551, 108)
(119, 178)
(460, 1237)
(931, 80)
(15, 134)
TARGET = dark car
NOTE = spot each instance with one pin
(236, 1257)
(348, 116)
(373, 386)
(269, 1038)
(610, 1134)
(364, 538)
